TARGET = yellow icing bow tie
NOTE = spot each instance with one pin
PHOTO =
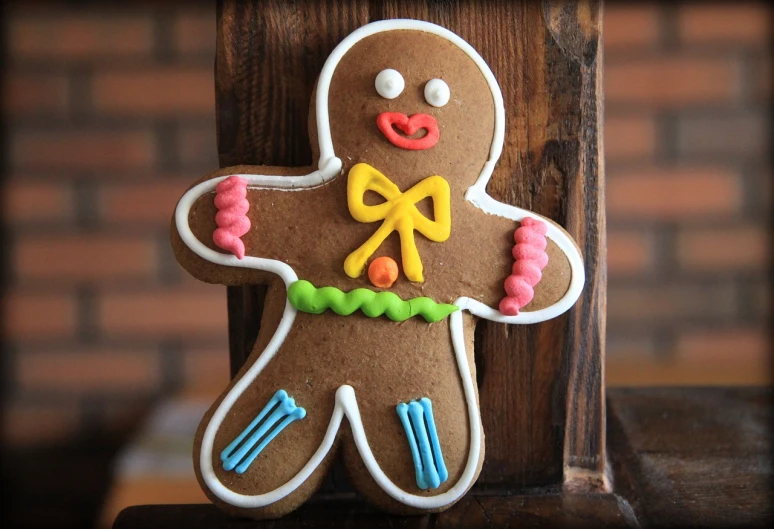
(399, 213)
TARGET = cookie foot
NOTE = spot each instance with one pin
(417, 420)
(282, 407)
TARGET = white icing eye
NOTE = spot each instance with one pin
(437, 92)
(389, 83)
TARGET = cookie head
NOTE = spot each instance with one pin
(413, 104)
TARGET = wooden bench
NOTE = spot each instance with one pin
(681, 457)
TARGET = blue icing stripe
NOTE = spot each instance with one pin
(419, 425)
(282, 408)
(427, 407)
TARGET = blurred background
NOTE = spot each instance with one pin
(109, 116)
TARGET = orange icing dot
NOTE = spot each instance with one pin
(383, 271)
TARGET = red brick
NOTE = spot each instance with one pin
(629, 252)
(87, 258)
(672, 81)
(39, 316)
(630, 137)
(677, 371)
(630, 25)
(31, 424)
(725, 23)
(147, 202)
(72, 372)
(198, 146)
(159, 91)
(740, 345)
(630, 345)
(194, 32)
(726, 248)
(206, 369)
(43, 33)
(643, 304)
(673, 193)
(181, 312)
(91, 150)
(41, 94)
(25, 202)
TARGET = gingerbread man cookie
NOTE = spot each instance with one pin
(378, 264)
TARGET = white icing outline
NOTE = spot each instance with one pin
(346, 404)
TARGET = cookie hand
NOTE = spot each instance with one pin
(477, 196)
(213, 216)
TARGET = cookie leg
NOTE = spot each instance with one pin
(400, 470)
(265, 446)
(415, 443)
(270, 452)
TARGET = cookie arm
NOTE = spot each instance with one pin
(479, 198)
(194, 224)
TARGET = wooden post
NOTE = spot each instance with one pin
(541, 386)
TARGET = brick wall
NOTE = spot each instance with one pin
(688, 192)
(110, 115)
(110, 118)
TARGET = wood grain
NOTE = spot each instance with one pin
(541, 387)
(536, 510)
(694, 457)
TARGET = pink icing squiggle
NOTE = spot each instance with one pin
(531, 257)
(232, 204)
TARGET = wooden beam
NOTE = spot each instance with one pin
(541, 386)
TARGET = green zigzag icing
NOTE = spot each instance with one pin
(304, 296)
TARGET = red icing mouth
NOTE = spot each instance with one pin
(409, 125)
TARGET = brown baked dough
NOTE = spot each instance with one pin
(386, 362)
